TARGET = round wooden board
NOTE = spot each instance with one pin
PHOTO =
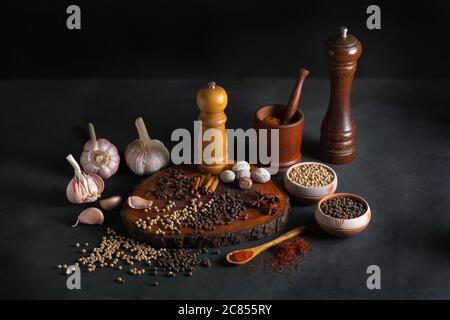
(257, 226)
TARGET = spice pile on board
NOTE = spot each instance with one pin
(215, 209)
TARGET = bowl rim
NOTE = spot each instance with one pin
(311, 162)
(335, 195)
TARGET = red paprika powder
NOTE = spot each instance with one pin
(240, 256)
(286, 257)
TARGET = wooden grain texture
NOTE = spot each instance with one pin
(257, 226)
(212, 101)
(338, 130)
(294, 100)
(290, 135)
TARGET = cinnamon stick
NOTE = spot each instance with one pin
(196, 184)
(202, 181)
(208, 183)
(212, 188)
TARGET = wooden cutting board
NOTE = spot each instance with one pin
(257, 226)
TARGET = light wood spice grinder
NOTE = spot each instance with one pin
(212, 101)
(338, 130)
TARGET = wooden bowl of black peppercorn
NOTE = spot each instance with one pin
(343, 214)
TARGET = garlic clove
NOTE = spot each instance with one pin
(136, 202)
(114, 158)
(111, 202)
(105, 172)
(72, 192)
(105, 145)
(90, 216)
(97, 184)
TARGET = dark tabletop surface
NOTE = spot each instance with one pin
(402, 168)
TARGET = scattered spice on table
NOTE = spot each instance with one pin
(286, 257)
(115, 250)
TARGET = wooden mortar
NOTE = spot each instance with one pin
(290, 135)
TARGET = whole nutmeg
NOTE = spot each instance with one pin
(227, 176)
(245, 183)
(241, 165)
(261, 175)
(243, 174)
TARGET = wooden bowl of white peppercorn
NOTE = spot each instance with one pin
(308, 182)
(343, 227)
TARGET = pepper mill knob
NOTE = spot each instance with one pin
(212, 98)
(338, 130)
(212, 101)
(344, 32)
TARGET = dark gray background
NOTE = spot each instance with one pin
(402, 169)
(232, 38)
(149, 59)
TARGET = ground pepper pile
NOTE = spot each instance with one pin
(286, 258)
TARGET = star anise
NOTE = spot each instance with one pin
(266, 201)
(259, 199)
(271, 209)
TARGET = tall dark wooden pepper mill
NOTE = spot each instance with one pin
(338, 131)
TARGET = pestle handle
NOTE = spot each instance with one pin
(294, 100)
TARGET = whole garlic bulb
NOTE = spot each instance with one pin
(261, 175)
(84, 186)
(99, 156)
(241, 165)
(144, 155)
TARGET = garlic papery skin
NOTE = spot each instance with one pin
(111, 203)
(84, 187)
(146, 156)
(99, 156)
(90, 216)
(139, 203)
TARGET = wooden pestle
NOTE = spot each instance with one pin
(294, 100)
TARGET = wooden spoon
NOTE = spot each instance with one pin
(258, 249)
